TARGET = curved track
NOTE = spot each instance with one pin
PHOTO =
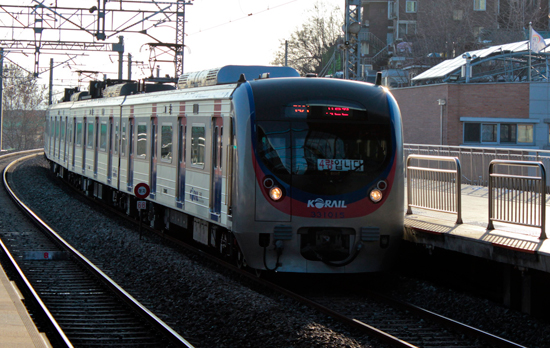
(80, 306)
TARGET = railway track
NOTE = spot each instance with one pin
(392, 322)
(79, 305)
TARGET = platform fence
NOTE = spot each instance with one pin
(517, 199)
(434, 188)
(476, 160)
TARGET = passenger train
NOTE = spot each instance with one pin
(280, 172)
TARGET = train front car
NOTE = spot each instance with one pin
(326, 191)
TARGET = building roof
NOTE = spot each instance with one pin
(512, 53)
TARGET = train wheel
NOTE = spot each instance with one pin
(241, 262)
(224, 245)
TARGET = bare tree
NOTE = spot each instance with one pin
(24, 109)
(309, 44)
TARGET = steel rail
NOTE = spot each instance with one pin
(152, 319)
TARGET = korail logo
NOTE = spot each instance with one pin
(320, 203)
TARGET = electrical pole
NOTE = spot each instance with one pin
(180, 37)
(352, 64)
(51, 82)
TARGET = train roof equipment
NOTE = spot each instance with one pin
(232, 74)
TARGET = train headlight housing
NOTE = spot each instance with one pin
(376, 195)
(275, 193)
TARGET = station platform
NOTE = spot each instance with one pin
(507, 243)
(17, 330)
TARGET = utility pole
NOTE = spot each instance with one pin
(51, 82)
(180, 37)
(129, 66)
(352, 64)
(119, 47)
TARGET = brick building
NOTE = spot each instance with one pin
(417, 25)
(489, 114)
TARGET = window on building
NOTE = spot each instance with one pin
(489, 133)
(411, 7)
(508, 133)
(480, 5)
(391, 10)
(166, 143)
(458, 15)
(141, 149)
(198, 143)
(525, 133)
(477, 31)
(499, 133)
(407, 28)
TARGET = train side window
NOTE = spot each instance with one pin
(79, 133)
(103, 137)
(166, 143)
(123, 141)
(90, 136)
(198, 142)
(221, 146)
(116, 138)
(141, 149)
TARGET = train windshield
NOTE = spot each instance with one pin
(325, 149)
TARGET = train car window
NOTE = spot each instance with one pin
(166, 143)
(79, 133)
(198, 143)
(116, 138)
(90, 136)
(103, 137)
(141, 149)
(123, 141)
(62, 129)
(221, 146)
(215, 147)
(274, 146)
(327, 147)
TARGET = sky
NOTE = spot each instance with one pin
(218, 33)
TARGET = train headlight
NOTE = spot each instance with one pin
(275, 193)
(376, 195)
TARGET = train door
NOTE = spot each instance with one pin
(229, 168)
(180, 187)
(216, 170)
(153, 163)
(110, 153)
(130, 182)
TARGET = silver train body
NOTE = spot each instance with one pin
(285, 173)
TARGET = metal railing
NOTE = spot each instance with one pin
(434, 188)
(475, 160)
(517, 199)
